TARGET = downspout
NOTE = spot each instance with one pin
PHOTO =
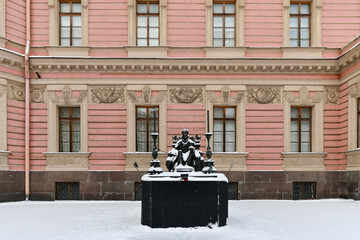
(27, 104)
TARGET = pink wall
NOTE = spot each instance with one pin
(107, 136)
(16, 134)
(39, 23)
(264, 136)
(15, 20)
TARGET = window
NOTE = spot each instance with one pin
(224, 24)
(300, 24)
(300, 129)
(138, 191)
(147, 23)
(70, 23)
(69, 123)
(233, 191)
(304, 190)
(358, 124)
(224, 129)
(67, 191)
(145, 126)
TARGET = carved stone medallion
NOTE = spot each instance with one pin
(263, 95)
(37, 96)
(332, 95)
(107, 95)
(17, 93)
(186, 95)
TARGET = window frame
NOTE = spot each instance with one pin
(147, 14)
(299, 15)
(224, 119)
(71, 120)
(224, 15)
(299, 120)
(71, 26)
(147, 119)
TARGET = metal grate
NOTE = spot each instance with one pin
(304, 190)
(68, 191)
(233, 191)
(138, 191)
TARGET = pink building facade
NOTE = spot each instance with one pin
(80, 82)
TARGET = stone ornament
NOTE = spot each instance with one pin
(67, 94)
(186, 95)
(146, 94)
(107, 95)
(304, 97)
(354, 92)
(17, 93)
(263, 95)
(2, 91)
(225, 97)
(37, 96)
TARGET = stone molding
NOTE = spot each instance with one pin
(354, 95)
(4, 166)
(37, 96)
(225, 97)
(304, 97)
(332, 96)
(67, 161)
(16, 93)
(146, 97)
(353, 160)
(304, 161)
(107, 95)
(233, 161)
(143, 160)
(264, 95)
(186, 95)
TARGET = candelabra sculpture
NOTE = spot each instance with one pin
(209, 163)
(155, 163)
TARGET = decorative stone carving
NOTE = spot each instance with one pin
(263, 95)
(107, 95)
(53, 97)
(240, 96)
(289, 97)
(318, 97)
(304, 97)
(2, 91)
(146, 94)
(37, 96)
(161, 96)
(186, 95)
(82, 96)
(17, 93)
(225, 94)
(332, 95)
(354, 92)
(67, 94)
(132, 96)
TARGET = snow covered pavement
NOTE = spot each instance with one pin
(258, 219)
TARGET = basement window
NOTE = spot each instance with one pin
(233, 191)
(138, 191)
(304, 190)
(67, 191)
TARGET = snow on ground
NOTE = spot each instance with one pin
(258, 219)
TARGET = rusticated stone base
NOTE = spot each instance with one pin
(121, 185)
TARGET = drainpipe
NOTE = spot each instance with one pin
(27, 104)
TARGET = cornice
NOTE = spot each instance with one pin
(11, 59)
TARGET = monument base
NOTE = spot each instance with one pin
(176, 199)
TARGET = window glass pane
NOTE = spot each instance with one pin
(76, 32)
(294, 147)
(305, 43)
(218, 33)
(294, 137)
(65, 42)
(65, 7)
(218, 137)
(293, 22)
(142, 8)
(229, 8)
(230, 137)
(218, 42)
(153, 21)
(304, 22)
(154, 32)
(229, 33)
(305, 147)
(218, 8)
(153, 111)
(65, 147)
(153, 42)
(294, 8)
(218, 113)
(305, 126)
(141, 113)
(294, 113)
(76, 42)
(218, 126)
(305, 112)
(64, 112)
(294, 43)
(141, 126)
(230, 112)
(218, 147)
(305, 33)
(76, 21)
(65, 137)
(153, 8)
(218, 21)
(294, 126)
(65, 21)
(65, 32)
(142, 21)
(230, 126)
(294, 33)
(141, 136)
(229, 22)
(142, 32)
(229, 42)
(76, 7)
(75, 112)
(76, 147)
(230, 147)
(305, 137)
(142, 42)
(151, 126)
(76, 126)
(141, 147)
(305, 9)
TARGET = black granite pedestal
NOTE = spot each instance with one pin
(170, 201)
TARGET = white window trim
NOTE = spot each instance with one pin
(354, 95)
(316, 12)
(3, 115)
(132, 22)
(54, 7)
(239, 20)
